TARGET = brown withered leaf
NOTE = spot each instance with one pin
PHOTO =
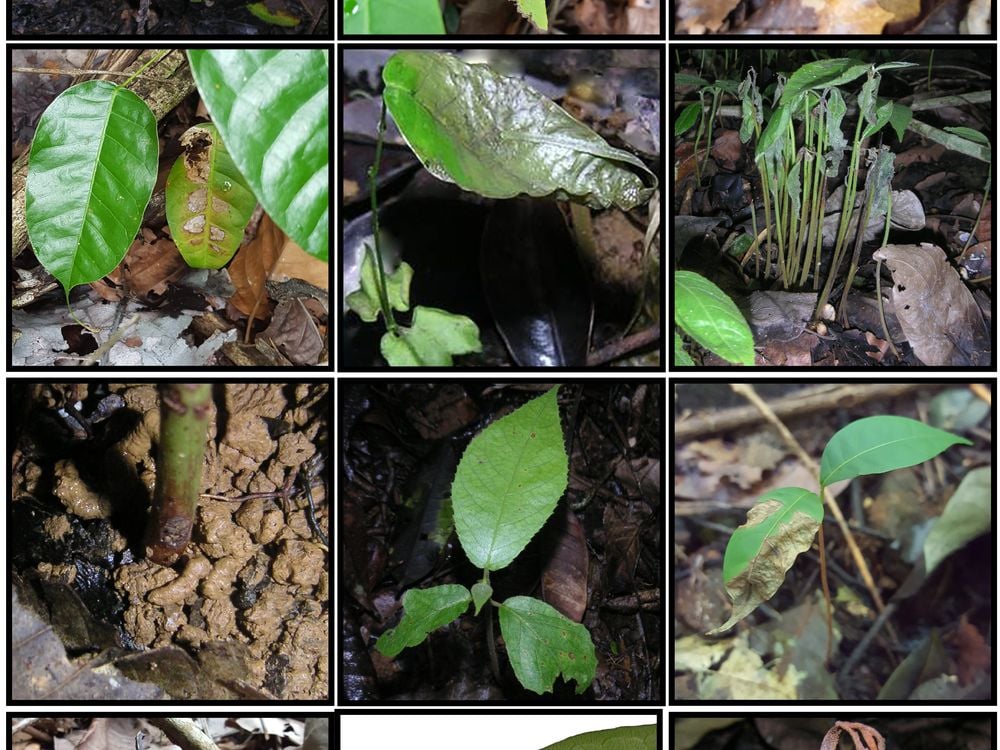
(936, 311)
(829, 16)
(781, 525)
(252, 266)
(703, 16)
(974, 655)
(564, 580)
(294, 333)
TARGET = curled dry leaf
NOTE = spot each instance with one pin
(779, 527)
(863, 736)
(938, 314)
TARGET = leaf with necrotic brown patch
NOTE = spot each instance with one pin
(779, 527)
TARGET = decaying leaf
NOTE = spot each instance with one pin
(827, 16)
(779, 527)
(208, 201)
(936, 311)
(703, 16)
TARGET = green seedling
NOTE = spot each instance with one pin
(621, 738)
(783, 522)
(185, 411)
(495, 136)
(506, 485)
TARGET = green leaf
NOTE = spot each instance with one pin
(968, 514)
(709, 317)
(273, 111)
(384, 17)
(279, 17)
(365, 300)
(209, 204)
(500, 138)
(883, 113)
(878, 444)
(509, 481)
(91, 173)
(621, 738)
(780, 526)
(542, 644)
(687, 118)
(481, 593)
(822, 74)
(424, 610)
(433, 337)
(681, 357)
(534, 11)
(900, 118)
(969, 134)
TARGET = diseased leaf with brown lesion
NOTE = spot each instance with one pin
(208, 201)
(779, 527)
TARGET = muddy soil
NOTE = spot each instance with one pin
(244, 612)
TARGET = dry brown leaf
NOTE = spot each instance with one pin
(252, 266)
(940, 318)
(974, 655)
(592, 17)
(294, 333)
(822, 17)
(703, 16)
(296, 263)
(641, 17)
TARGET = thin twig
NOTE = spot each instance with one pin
(750, 394)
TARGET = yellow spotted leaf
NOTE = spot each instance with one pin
(208, 202)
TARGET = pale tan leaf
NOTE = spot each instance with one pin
(936, 311)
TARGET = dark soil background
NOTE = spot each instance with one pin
(172, 18)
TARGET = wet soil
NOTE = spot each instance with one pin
(245, 609)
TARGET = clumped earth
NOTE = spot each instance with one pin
(245, 611)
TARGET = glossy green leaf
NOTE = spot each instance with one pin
(431, 340)
(91, 173)
(822, 74)
(968, 514)
(780, 526)
(424, 610)
(500, 138)
(509, 481)
(708, 316)
(273, 111)
(481, 593)
(385, 17)
(542, 644)
(878, 444)
(208, 202)
(365, 300)
(687, 118)
(534, 11)
(620, 738)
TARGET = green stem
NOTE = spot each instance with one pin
(383, 288)
(185, 410)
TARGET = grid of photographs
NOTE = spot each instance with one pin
(592, 538)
